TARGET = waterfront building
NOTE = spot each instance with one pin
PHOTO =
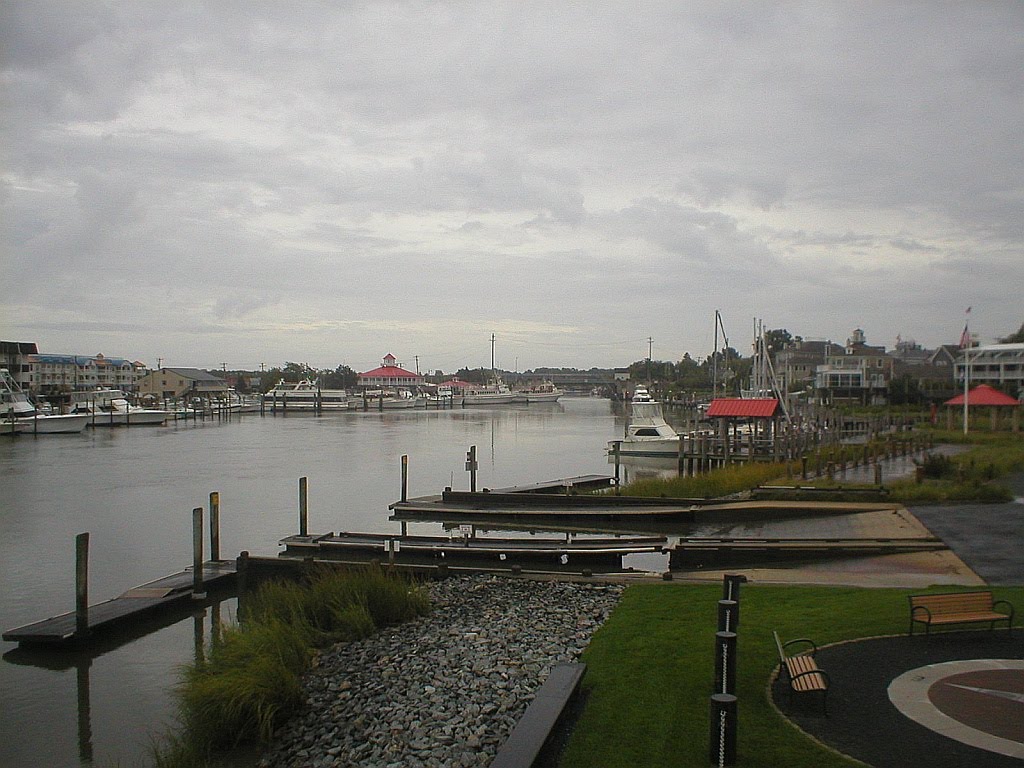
(1001, 365)
(389, 376)
(174, 383)
(860, 374)
(14, 356)
(59, 374)
(797, 362)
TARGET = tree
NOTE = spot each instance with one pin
(1014, 338)
(776, 340)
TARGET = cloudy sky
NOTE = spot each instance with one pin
(246, 182)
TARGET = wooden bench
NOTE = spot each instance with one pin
(801, 670)
(958, 608)
(534, 730)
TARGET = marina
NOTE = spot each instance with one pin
(371, 477)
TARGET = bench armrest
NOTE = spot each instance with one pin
(1007, 603)
(927, 612)
(804, 640)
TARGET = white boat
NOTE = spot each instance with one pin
(497, 393)
(647, 432)
(20, 416)
(387, 400)
(541, 393)
(306, 395)
(110, 408)
(442, 397)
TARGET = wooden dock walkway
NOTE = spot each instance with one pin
(596, 553)
(125, 608)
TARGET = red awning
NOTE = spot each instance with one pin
(983, 394)
(743, 407)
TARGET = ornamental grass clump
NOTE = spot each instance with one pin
(251, 678)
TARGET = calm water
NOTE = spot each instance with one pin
(134, 490)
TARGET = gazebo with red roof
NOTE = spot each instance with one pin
(760, 411)
(987, 396)
(389, 375)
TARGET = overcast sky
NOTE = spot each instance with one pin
(247, 182)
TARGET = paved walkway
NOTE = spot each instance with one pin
(961, 700)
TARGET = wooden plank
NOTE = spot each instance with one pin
(533, 731)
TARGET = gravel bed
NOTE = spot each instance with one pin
(446, 689)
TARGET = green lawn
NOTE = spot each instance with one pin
(650, 671)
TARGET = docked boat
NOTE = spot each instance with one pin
(497, 393)
(442, 397)
(20, 416)
(647, 432)
(306, 395)
(110, 408)
(541, 393)
(387, 400)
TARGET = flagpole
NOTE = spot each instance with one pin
(967, 378)
(965, 342)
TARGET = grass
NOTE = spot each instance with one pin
(251, 680)
(973, 476)
(649, 671)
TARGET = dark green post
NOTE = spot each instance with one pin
(303, 507)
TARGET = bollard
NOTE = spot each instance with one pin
(82, 584)
(728, 616)
(722, 737)
(303, 506)
(731, 586)
(725, 662)
(617, 447)
(803, 467)
(197, 553)
(215, 526)
(471, 467)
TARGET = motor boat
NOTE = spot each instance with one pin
(647, 432)
(110, 408)
(20, 416)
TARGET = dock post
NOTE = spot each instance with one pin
(215, 526)
(405, 477)
(616, 450)
(197, 554)
(82, 585)
(303, 507)
(471, 467)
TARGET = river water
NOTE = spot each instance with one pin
(133, 490)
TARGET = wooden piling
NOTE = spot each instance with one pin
(82, 585)
(405, 477)
(197, 553)
(214, 525)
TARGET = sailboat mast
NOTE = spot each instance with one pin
(492, 354)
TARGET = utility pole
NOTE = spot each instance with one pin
(650, 350)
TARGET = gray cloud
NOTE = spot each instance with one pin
(260, 182)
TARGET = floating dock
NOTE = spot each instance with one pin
(125, 609)
(602, 554)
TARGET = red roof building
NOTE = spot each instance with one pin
(743, 408)
(389, 375)
(983, 394)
